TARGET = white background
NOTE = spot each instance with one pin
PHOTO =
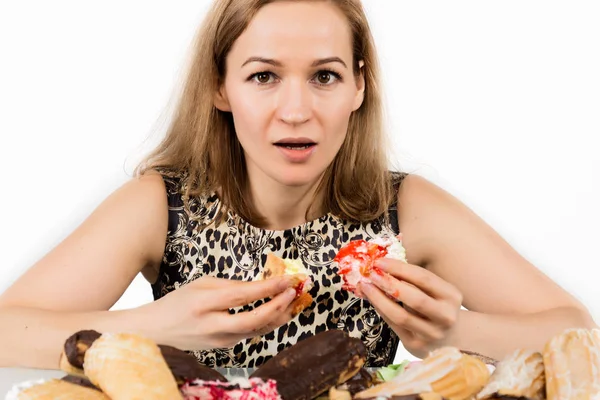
(497, 102)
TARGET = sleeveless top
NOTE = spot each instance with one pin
(196, 247)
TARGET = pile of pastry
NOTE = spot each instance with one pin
(567, 368)
(327, 365)
(130, 367)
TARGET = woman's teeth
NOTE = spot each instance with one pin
(296, 146)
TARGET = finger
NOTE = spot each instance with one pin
(414, 343)
(209, 282)
(411, 296)
(398, 316)
(424, 279)
(281, 319)
(243, 293)
(263, 317)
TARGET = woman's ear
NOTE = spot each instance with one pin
(360, 86)
(220, 100)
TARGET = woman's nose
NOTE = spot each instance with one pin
(294, 102)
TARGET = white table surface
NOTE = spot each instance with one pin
(11, 376)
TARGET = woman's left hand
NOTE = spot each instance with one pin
(431, 305)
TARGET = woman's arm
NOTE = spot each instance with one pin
(74, 285)
(511, 303)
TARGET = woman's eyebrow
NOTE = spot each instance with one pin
(276, 63)
(329, 60)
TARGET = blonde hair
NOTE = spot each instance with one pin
(201, 139)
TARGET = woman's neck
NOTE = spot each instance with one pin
(283, 207)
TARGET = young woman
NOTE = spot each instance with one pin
(277, 146)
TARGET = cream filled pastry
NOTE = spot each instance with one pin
(446, 371)
(277, 266)
(521, 374)
(128, 367)
(355, 261)
(572, 365)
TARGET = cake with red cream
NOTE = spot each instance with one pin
(355, 261)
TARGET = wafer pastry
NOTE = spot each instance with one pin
(572, 365)
(446, 371)
(130, 367)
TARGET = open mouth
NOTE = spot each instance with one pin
(298, 143)
(296, 146)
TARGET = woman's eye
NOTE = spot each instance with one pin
(262, 77)
(326, 77)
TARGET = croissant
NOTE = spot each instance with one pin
(130, 367)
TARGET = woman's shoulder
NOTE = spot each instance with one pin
(397, 177)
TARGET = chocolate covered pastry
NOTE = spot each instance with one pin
(357, 383)
(77, 344)
(521, 374)
(184, 366)
(127, 367)
(314, 365)
(572, 365)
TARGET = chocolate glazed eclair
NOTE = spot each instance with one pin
(314, 365)
(183, 365)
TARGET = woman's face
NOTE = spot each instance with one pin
(291, 89)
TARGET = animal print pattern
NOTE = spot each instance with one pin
(234, 249)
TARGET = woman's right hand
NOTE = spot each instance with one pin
(196, 316)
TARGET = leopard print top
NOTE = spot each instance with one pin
(234, 249)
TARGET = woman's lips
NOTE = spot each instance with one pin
(296, 152)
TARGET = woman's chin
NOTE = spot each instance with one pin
(297, 177)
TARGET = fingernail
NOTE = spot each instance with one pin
(381, 263)
(290, 294)
(376, 278)
(286, 282)
(366, 287)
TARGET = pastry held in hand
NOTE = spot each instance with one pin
(572, 365)
(129, 367)
(355, 261)
(521, 374)
(55, 389)
(276, 266)
(446, 371)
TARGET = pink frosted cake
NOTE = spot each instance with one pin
(355, 261)
(239, 389)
